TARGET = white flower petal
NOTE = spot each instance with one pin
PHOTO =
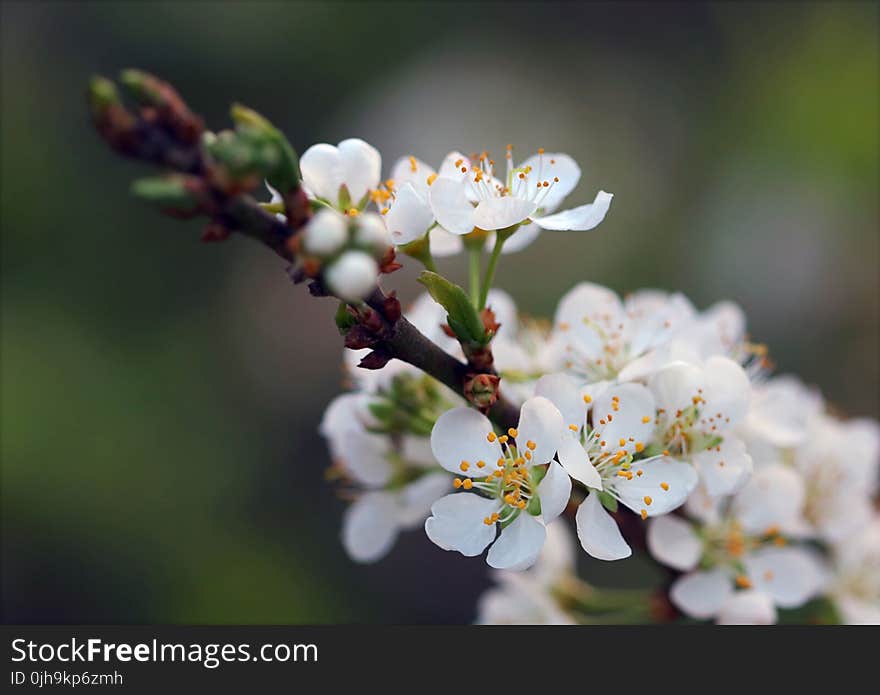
(416, 498)
(451, 207)
(409, 217)
(673, 542)
(500, 213)
(518, 545)
(725, 468)
(413, 171)
(554, 491)
(727, 389)
(598, 532)
(748, 607)
(548, 166)
(563, 391)
(322, 171)
(460, 435)
(579, 219)
(664, 481)
(369, 526)
(540, 422)
(456, 523)
(790, 576)
(774, 496)
(675, 385)
(364, 456)
(451, 167)
(624, 413)
(443, 243)
(361, 167)
(576, 462)
(520, 239)
(701, 594)
(557, 558)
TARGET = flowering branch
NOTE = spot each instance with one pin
(214, 176)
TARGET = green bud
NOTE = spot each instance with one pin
(463, 318)
(143, 87)
(283, 173)
(102, 94)
(167, 192)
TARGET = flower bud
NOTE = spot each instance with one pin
(325, 233)
(352, 276)
(371, 233)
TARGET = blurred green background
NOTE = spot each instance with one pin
(160, 460)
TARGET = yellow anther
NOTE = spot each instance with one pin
(503, 439)
(779, 541)
(495, 516)
(352, 212)
(528, 455)
(573, 428)
(622, 442)
(500, 463)
(457, 483)
(648, 500)
(431, 179)
(467, 483)
(665, 486)
(772, 530)
(487, 521)
(481, 464)
(412, 164)
(464, 465)
(646, 419)
(640, 446)
(644, 514)
(588, 398)
(540, 150)
(531, 445)
(743, 582)
(512, 432)
(666, 452)
(521, 504)
(640, 472)
(610, 417)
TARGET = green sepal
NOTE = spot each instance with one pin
(284, 175)
(344, 318)
(534, 507)
(609, 502)
(462, 316)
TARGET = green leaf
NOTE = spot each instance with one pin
(607, 501)
(463, 317)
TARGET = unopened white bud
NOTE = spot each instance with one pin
(371, 233)
(325, 233)
(352, 275)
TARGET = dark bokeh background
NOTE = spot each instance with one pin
(160, 460)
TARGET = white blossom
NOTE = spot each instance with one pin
(342, 175)
(510, 486)
(528, 192)
(352, 276)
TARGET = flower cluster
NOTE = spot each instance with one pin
(647, 422)
(642, 405)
